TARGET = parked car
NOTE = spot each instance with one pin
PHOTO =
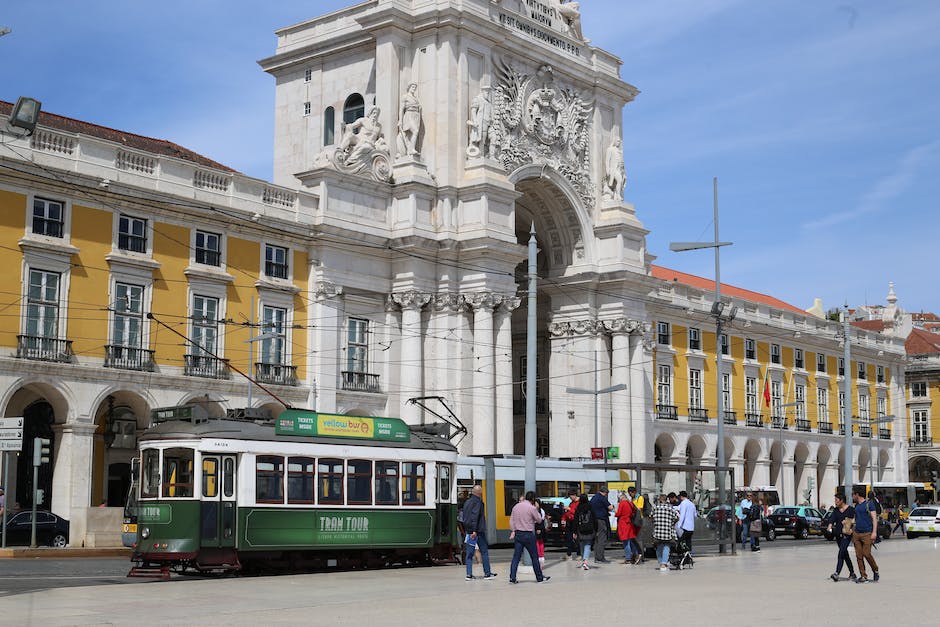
(924, 521)
(799, 521)
(51, 530)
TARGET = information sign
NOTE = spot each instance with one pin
(310, 423)
(11, 434)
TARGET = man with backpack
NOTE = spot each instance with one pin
(474, 524)
(601, 507)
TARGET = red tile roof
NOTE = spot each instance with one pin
(667, 274)
(921, 342)
(138, 142)
(869, 325)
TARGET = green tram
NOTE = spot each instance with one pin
(304, 491)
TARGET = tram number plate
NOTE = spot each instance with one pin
(129, 528)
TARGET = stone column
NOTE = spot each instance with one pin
(328, 315)
(790, 493)
(504, 423)
(484, 374)
(411, 371)
(621, 406)
(641, 392)
(71, 480)
(761, 473)
(829, 483)
(737, 463)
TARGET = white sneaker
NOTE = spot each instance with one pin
(663, 568)
(585, 566)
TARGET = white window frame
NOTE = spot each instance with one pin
(664, 385)
(43, 304)
(821, 361)
(776, 398)
(724, 342)
(864, 405)
(841, 409)
(881, 405)
(196, 346)
(799, 359)
(799, 397)
(775, 357)
(307, 108)
(920, 425)
(750, 348)
(861, 371)
(918, 386)
(726, 393)
(195, 247)
(118, 309)
(308, 74)
(695, 339)
(148, 235)
(287, 257)
(822, 404)
(66, 209)
(664, 329)
(358, 352)
(880, 374)
(750, 395)
(695, 388)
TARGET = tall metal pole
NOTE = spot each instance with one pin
(847, 391)
(530, 379)
(251, 343)
(6, 491)
(720, 452)
(597, 441)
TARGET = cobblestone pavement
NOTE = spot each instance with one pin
(786, 585)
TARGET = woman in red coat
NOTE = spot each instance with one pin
(625, 530)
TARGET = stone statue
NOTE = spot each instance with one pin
(615, 176)
(571, 13)
(409, 123)
(361, 137)
(480, 123)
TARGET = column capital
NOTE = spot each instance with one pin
(510, 304)
(449, 301)
(622, 325)
(575, 327)
(326, 290)
(410, 299)
(484, 300)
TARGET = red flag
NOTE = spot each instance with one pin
(767, 387)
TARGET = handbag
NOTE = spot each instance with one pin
(848, 526)
(756, 526)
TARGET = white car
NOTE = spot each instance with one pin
(924, 520)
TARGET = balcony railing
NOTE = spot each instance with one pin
(698, 414)
(44, 348)
(541, 406)
(864, 431)
(731, 418)
(128, 358)
(276, 374)
(360, 381)
(779, 422)
(802, 424)
(667, 412)
(841, 429)
(205, 366)
(884, 434)
(825, 427)
(753, 420)
(921, 442)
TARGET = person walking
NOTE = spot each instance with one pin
(866, 530)
(744, 516)
(664, 518)
(585, 525)
(571, 543)
(640, 502)
(755, 524)
(474, 524)
(540, 532)
(601, 508)
(625, 530)
(841, 526)
(522, 523)
(687, 515)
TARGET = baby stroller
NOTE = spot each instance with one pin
(681, 555)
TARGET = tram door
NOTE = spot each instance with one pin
(218, 501)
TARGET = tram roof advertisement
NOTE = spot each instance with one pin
(309, 423)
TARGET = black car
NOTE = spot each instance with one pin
(800, 521)
(51, 530)
(711, 521)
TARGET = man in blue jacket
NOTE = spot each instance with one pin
(600, 506)
(474, 524)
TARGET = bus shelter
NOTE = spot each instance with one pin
(716, 527)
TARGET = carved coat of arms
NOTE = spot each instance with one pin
(539, 121)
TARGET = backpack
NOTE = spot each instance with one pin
(636, 518)
(585, 520)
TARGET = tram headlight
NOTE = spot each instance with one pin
(145, 533)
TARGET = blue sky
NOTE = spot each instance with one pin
(818, 117)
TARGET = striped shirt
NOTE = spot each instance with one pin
(664, 520)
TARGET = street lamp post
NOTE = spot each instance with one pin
(720, 317)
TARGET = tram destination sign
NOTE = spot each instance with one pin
(11, 434)
(311, 423)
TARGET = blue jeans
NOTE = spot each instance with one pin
(662, 552)
(484, 553)
(525, 540)
(628, 549)
(744, 532)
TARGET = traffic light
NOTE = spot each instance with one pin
(811, 482)
(40, 496)
(41, 451)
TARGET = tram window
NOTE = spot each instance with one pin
(228, 477)
(359, 482)
(210, 477)
(269, 479)
(545, 488)
(300, 479)
(386, 483)
(178, 472)
(513, 491)
(444, 474)
(564, 487)
(412, 483)
(150, 474)
(331, 481)
(593, 487)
